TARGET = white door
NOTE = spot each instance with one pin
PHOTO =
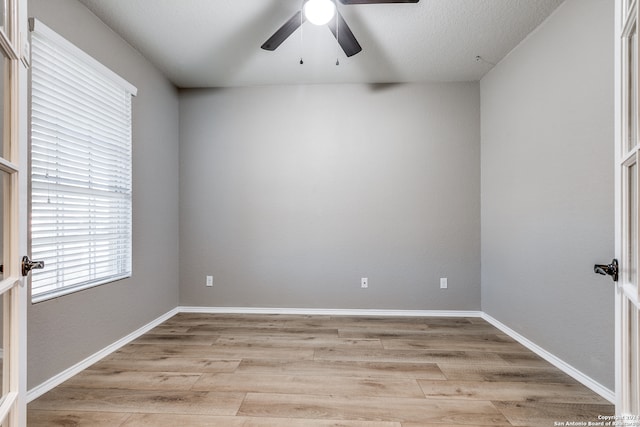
(13, 209)
(627, 212)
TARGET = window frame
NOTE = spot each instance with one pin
(55, 288)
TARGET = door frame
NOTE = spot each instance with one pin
(627, 208)
(13, 164)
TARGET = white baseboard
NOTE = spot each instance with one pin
(555, 361)
(48, 385)
(558, 363)
(330, 311)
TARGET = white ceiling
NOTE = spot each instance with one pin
(214, 43)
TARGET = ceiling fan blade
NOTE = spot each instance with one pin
(345, 37)
(283, 32)
(376, 1)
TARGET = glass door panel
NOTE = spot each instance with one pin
(631, 100)
(5, 224)
(626, 5)
(631, 224)
(2, 241)
(8, 287)
(4, 351)
(4, 140)
(3, 16)
(634, 362)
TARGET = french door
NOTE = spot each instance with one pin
(627, 212)
(13, 208)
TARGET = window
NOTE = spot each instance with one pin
(80, 168)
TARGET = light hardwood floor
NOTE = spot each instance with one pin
(319, 371)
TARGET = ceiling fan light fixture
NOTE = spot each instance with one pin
(319, 12)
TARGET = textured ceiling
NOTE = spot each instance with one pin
(214, 43)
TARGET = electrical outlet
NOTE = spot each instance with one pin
(364, 283)
(209, 281)
(443, 283)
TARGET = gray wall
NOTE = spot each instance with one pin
(290, 194)
(62, 332)
(547, 182)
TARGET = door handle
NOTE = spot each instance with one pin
(28, 265)
(608, 269)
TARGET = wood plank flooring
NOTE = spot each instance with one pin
(218, 370)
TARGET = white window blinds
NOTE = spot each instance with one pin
(80, 168)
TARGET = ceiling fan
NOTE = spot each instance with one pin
(324, 12)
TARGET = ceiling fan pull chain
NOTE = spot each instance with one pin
(301, 32)
(337, 35)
